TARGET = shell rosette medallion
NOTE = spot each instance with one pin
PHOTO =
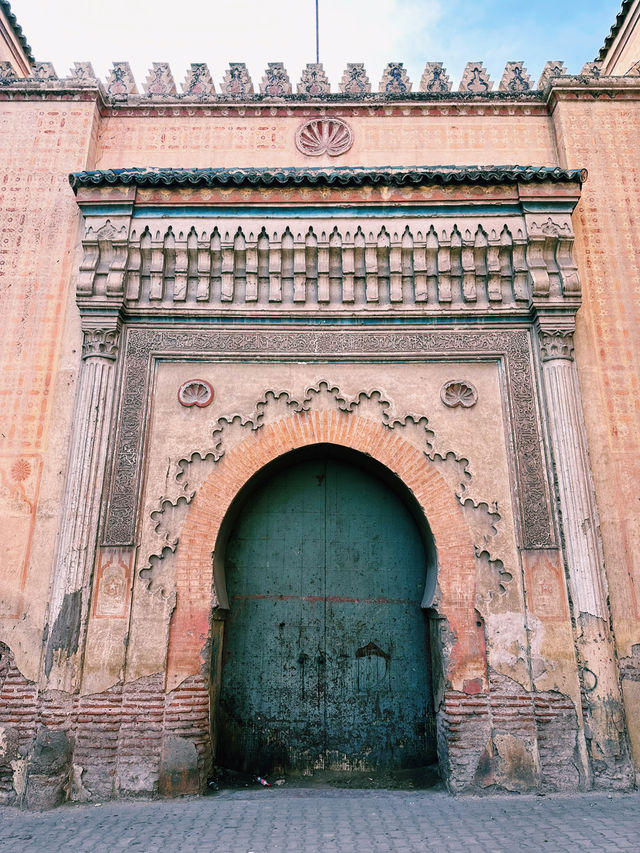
(324, 136)
(195, 392)
(459, 392)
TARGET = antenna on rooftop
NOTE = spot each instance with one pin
(317, 35)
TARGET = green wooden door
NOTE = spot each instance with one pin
(325, 662)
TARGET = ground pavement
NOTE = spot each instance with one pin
(333, 821)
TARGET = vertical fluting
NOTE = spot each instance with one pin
(602, 703)
(78, 532)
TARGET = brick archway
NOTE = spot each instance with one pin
(465, 662)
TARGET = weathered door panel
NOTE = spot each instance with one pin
(325, 661)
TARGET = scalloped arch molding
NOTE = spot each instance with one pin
(189, 630)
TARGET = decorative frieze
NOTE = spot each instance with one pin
(469, 264)
(510, 346)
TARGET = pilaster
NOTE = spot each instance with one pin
(77, 537)
(602, 705)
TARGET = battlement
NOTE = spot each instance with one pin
(237, 85)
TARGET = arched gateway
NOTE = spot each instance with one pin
(367, 701)
(326, 660)
(419, 319)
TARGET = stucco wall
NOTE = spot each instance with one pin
(602, 136)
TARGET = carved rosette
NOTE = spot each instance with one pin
(556, 344)
(458, 393)
(100, 343)
(195, 392)
(324, 136)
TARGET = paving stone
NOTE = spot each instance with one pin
(335, 822)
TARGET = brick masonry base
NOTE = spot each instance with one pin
(136, 740)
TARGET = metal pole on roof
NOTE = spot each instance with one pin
(317, 35)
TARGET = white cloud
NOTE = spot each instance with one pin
(253, 31)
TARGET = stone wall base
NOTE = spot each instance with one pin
(132, 740)
(136, 740)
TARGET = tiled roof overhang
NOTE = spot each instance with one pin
(17, 29)
(341, 176)
(615, 29)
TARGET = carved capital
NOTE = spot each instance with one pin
(100, 343)
(556, 343)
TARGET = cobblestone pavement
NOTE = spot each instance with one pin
(333, 821)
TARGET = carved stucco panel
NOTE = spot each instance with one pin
(184, 447)
(512, 347)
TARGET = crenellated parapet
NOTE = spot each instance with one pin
(237, 85)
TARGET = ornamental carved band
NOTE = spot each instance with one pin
(100, 343)
(511, 346)
(556, 344)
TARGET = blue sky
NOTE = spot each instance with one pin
(369, 31)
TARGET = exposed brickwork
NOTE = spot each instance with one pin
(116, 735)
(547, 721)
